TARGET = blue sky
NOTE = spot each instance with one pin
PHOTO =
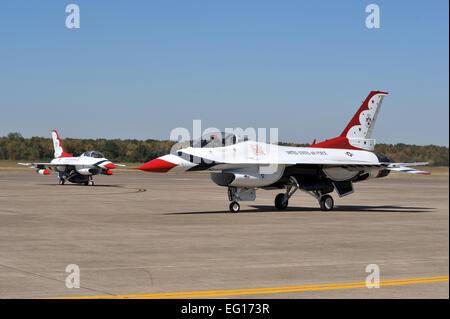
(138, 69)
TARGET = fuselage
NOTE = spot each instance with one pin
(255, 164)
(84, 165)
(256, 153)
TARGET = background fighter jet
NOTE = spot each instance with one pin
(243, 165)
(74, 169)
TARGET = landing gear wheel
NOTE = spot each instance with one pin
(326, 203)
(280, 203)
(61, 181)
(235, 207)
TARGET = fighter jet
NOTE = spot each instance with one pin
(244, 165)
(77, 170)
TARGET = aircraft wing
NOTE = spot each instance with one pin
(42, 165)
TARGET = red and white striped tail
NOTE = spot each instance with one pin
(357, 134)
(59, 149)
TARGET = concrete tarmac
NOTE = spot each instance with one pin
(144, 234)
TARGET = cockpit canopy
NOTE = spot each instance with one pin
(218, 139)
(94, 154)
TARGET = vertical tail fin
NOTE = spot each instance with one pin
(357, 134)
(363, 122)
(59, 149)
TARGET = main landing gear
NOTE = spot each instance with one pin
(326, 202)
(282, 200)
(76, 178)
(89, 182)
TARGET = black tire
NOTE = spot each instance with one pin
(234, 207)
(326, 203)
(280, 203)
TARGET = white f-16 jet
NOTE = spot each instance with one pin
(78, 170)
(244, 165)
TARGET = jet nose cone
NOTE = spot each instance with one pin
(157, 166)
(109, 166)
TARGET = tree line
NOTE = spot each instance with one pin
(15, 147)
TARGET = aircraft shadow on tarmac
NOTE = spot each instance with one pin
(337, 209)
(82, 185)
(383, 209)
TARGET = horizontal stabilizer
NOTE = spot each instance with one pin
(406, 164)
(401, 167)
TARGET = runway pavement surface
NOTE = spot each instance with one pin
(169, 236)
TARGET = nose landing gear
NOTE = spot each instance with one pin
(236, 194)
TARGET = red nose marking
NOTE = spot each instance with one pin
(158, 166)
(109, 172)
(46, 172)
(109, 166)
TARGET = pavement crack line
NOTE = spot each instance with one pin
(128, 190)
(54, 279)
